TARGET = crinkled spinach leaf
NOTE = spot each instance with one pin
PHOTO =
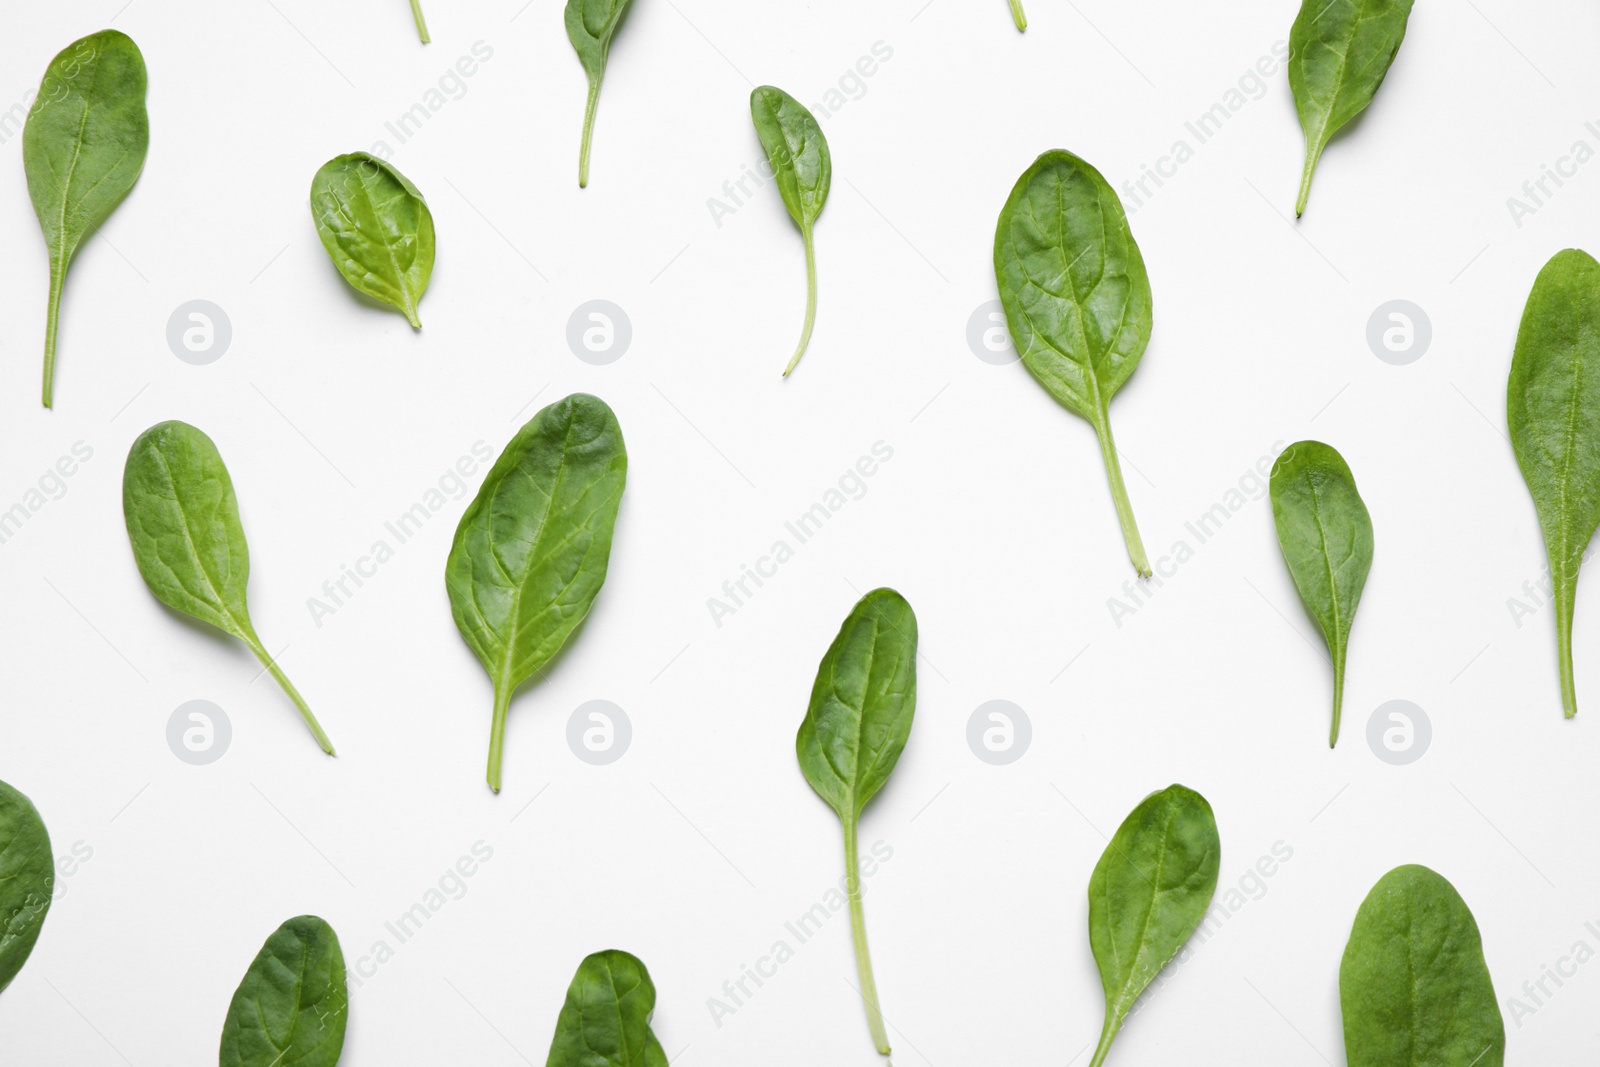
(605, 1021)
(377, 229)
(292, 1006)
(27, 880)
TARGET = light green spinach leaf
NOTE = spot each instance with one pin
(531, 551)
(1077, 299)
(183, 523)
(591, 24)
(1149, 891)
(83, 148)
(292, 1006)
(803, 168)
(1339, 52)
(1326, 537)
(1413, 985)
(605, 1021)
(27, 880)
(1553, 412)
(854, 731)
(377, 229)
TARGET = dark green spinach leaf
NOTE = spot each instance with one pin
(1077, 299)
(1326, 537)
(854, 731)
(1149, 891)
(1413, 986)
(1339, 51)
(27, 880)
(605, 1021)
(377, 229)
(590, 26)
(83, 148)
(292, 1006)
(531, 551)
(183, 523)
(803, 169)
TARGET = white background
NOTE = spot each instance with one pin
(993, 518)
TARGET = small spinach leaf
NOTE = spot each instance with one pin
(803, 169)
(1149, 891)
(590, 26)
(27, 880)
(1077, 299)
(1326, 537)
(1553, 412)
(1339, 51)
(854, 731)
(83, 148)
(531, 550)
(292, 1006)
(1018, 16)
(422, 26)
(605, 1021)
(1413, 985)
(183, 523)
(377, 229)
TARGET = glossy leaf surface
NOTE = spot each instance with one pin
(27, 880)
(377, 229)
(292, 1007)
(605, 1021)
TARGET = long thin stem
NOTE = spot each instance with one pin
(1338, 696)
(1569, 691)
(811, 300)
(1119, 493)
(294, 694)
(497, 734)
(1108, 1034)
(858, 930)
(54, 317)
(588, 132)
(1016, 13)
(422, 26)
(1313, 153)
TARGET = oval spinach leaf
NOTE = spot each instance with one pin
(1413, 986)
(422, 27)
(27, 880)
(1077, 299)
(605, 1021)
(803, 169)
(590, 26)
(854, 731)
(1149, 891)
(1553, 411)
(531, 551)
(83, 148)
(183, 523)
(292, 1006)
(377, 229)
(1339, 51)
(1326, 537)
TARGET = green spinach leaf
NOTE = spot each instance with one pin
(1149, 891)
(531, 551)
(27, 880)
(854, 731)
(292, 1006)
(605, 1021)
(1077, 299)
(1413, 986)
(590, 26)
(83, 148)
(422, 26)
(1018, 16)
(1553, 411)
(183, 523)
(1339, 51)
(377, 229)
(1326, 537)
(803, 169)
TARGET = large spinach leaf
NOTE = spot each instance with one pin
(1339, 51)
(377, 229)
(1553, 411)
(183, 523)
(1149, 891)
(531, 551)
(83, 148)
(1077, 299)
(854, 731)
(292, 1006)
(590, 26)
(1326, 537)
(27, 880)
(803, 169)
(605, 1021)
(1413, 986)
